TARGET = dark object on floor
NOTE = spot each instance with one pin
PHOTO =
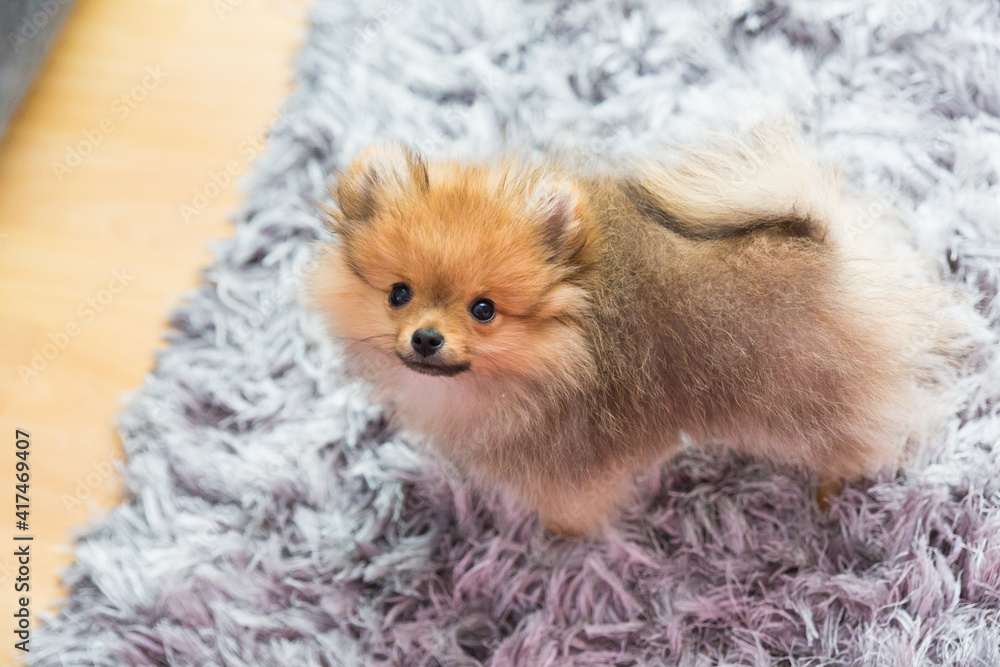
(27, 28)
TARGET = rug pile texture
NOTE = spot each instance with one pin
(275, 519)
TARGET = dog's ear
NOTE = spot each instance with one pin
(380, 175)
(559, 210)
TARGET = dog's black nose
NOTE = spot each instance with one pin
(427, 341)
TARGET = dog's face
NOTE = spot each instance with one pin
(451, 271)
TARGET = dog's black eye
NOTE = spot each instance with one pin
(400, 295)
(483, 310)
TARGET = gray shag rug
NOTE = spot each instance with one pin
(275, 520)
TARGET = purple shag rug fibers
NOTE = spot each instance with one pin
(275, 520)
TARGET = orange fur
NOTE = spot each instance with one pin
(721, 299)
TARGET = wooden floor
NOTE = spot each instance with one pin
(136, 106)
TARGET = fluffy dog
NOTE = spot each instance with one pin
(556, 330)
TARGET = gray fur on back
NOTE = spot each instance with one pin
(275, 521)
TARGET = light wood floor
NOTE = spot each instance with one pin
(152, 97)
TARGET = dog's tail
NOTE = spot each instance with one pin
(732, 185)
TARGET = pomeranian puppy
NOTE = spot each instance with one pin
(556, 330)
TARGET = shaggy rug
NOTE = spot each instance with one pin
(275, 520)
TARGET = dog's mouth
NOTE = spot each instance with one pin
(440, 370)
